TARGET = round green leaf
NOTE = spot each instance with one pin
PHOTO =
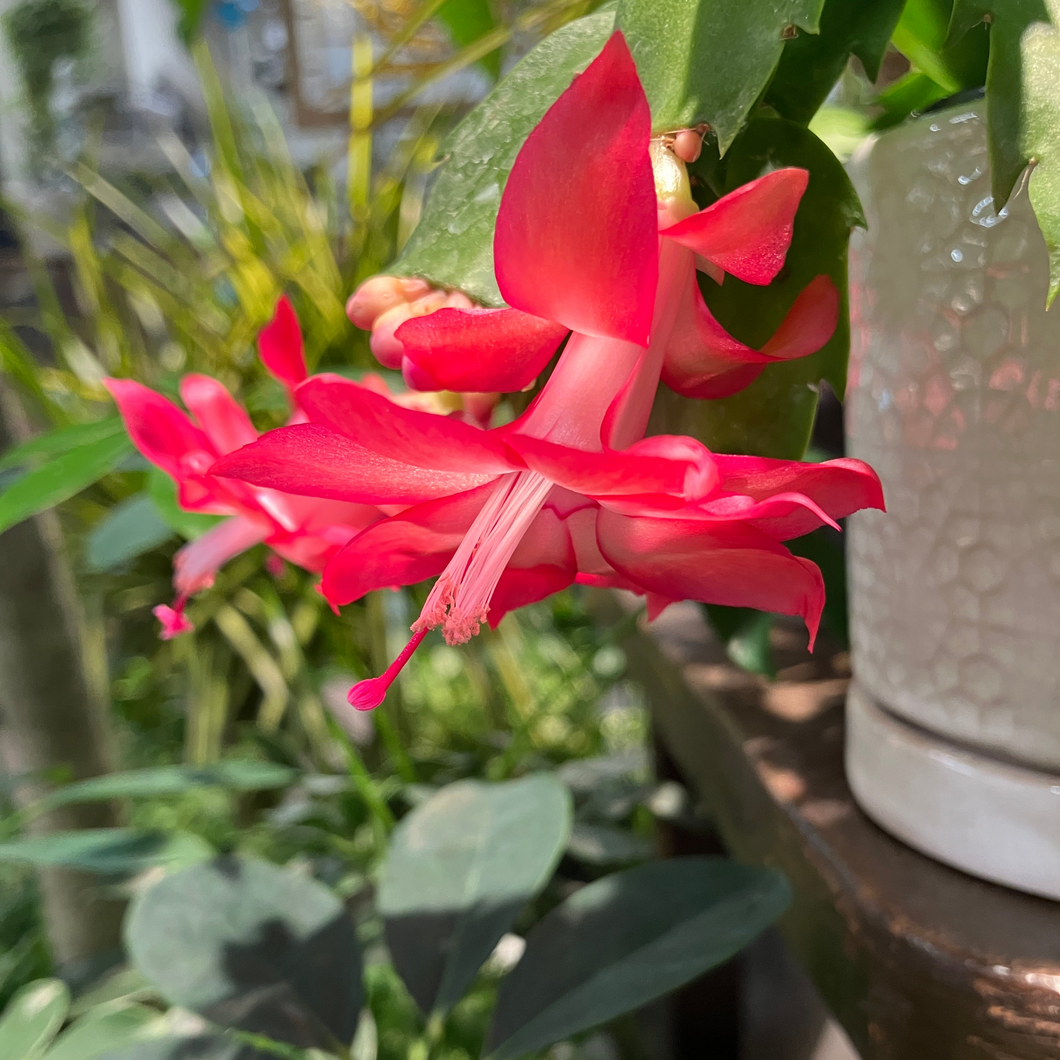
(625, 940)
(252, 946)
(607, 844)
(32, 1018)
(460, 868)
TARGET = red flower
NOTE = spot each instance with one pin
(307, 532)
(507, 517)
(576, 250)
(570, 491)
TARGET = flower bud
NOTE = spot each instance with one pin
(687, 145)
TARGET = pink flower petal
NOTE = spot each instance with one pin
(643, 469)
(158, 429)
(715, 563)
(313, 460)
(196, 564)
(480, 349)
(219, 414)
(403, 549)
(173, 620)
(424, 439)
(280, 345)
(576, 237)
(543, 564)
(747, 232)
(704, 361)
(839, 487)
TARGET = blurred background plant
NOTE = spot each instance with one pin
(175, 266)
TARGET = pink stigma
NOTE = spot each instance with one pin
(174, 621)
(367, 695)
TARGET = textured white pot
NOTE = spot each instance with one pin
(954, 717)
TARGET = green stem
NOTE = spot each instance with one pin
(365, 786)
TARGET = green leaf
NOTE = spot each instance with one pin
(65, 439)
(108, 851)
(1023, 94)
(467, 21)
(163, 491)
(625, 940)
(812, 63)
(61, 478)
(460, 868)
(105, 1028)
(236, 775)
(200, 1047)
(774, 415)
(17, 361)
(1040, 47)
(606, 844)
(129, 529)
(709, 60)
(921, 36)
(911, 94)
(452, 246)
(251, 946)
(32, 1018)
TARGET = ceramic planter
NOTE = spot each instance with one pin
(954, 715)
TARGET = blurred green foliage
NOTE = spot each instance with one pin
(177, 271)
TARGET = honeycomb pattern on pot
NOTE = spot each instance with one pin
(954, 398)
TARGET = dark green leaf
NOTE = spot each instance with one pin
(106, 850)
(61, 478)
(251, 946)
(174, 780)
(467, 21)
(65, 439)
(709, 60)
(460, 868)
(32, 1019)
(129, 529)
(452, 246)
(105, 1028)
(163, 491)
(812, 63)
(625, 940)
(774, 415)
